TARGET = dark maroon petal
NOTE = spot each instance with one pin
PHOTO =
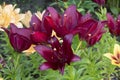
(35, 23)
(55, 43)
(21, 31)
(46, 52)
(19, 43)
(111, 21)
(67, 47)
(6, 30)
(118, 21)
(85, 18)
(100, 2)
(54, 15)
(47, 26)
(54, 66)
(60, 31)
(67, 40)
(93, 40)
(95, 33)
(38, 37)
(45, 66)
(70, 18)
(86, 28)
(13, 28)
(75, 58)
(61, 69)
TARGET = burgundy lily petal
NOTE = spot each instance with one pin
(47, 28)
(68, 50)
(45, 66)
(21, 31)
(55, 43)
(100, 2)
(19, 38)
(57, 56)
(113, 25)
(65, 24)
(13, 28)
(46, 52)
(61, 69)
(67, 40)
(85, 18)
(75, 58)
(111, 21)
(91, 30)
(118, 20)
(55, 15)
(38, 37)
(95, 34)
(71, 17)
(35, 23)
(19, 42)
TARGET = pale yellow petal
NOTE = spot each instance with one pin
(27, 18)
(19, 24)
(39, 15)
(17, 10)
(108, 55)
(116, 49)
(1, 78)
(8, 14)
(0, 8)
(8, 9)
(29, 51)
(113, 62)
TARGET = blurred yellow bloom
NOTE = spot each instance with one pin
(1, 78)
(27, 18)
(39, 14)
(115, 58)
(10, 14)
(30, 50)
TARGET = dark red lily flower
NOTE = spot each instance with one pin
(91, 30)
(58, 54)
(65, 23)
(100, 2)
(19, 37)
(41, 30)
(114, 26)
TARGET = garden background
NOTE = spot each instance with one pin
(93, 64)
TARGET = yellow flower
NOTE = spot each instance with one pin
(8, 14)
(27, 18)
(115, 58)
(39, 14)
(30, 51)
(1, 78)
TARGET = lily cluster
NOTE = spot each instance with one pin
(56, 48)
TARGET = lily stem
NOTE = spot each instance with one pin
(78, 46)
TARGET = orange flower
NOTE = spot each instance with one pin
(8, 14)
(115, 58)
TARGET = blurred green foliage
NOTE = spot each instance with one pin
(32, 5)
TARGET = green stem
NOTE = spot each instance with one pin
(78, 46)
(17, 60)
